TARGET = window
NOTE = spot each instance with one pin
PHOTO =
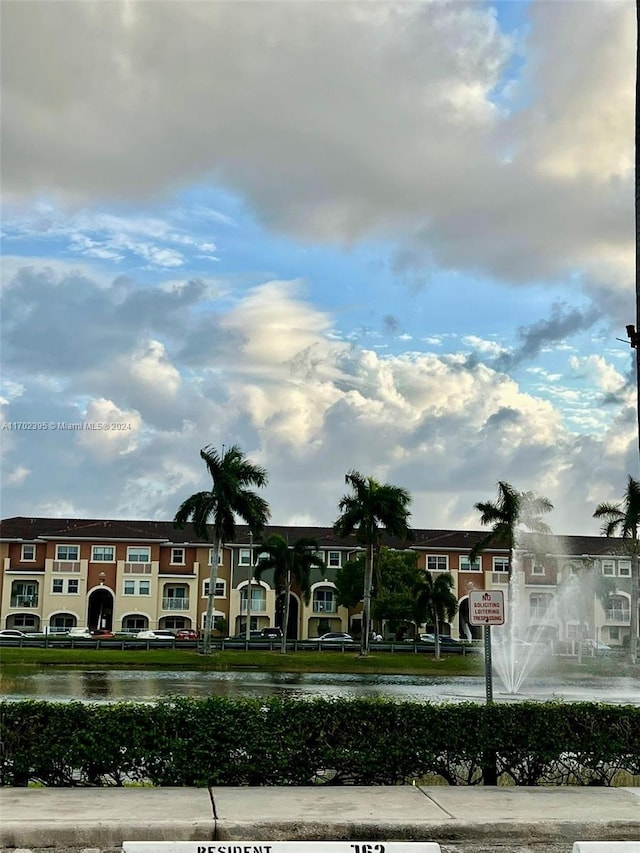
(137, 587)
(258, 599)
(624, 568)
(73, 586)
(334, 559)
(437, 563)
(466, 566)
(103, 554)
(219, 556)
(68, 553)
(324, 601)
(28, 553)
(608, 568)
(61, 622)
(24, 594)
(245, 557)
(24, 620)
(177, 556)
(138, 555)
(614, 633)
(221, 589)
(618, 609)
(539, 605)
(537, 568)
(134, 623)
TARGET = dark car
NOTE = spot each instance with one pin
(102, 634)
(447, 643)
(186, 634)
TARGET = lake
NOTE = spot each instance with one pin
(87, 685)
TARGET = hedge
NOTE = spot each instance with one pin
(274, 741)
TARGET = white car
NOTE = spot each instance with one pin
(80, 633)
(159, 634)
(12, 633)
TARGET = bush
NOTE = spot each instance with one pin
(220, 741)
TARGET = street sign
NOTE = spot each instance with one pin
(280, 847)
(486, 607)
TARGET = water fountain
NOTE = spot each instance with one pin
(522, 646)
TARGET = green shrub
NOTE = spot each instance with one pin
(220, 741)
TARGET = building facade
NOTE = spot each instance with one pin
(127, 576)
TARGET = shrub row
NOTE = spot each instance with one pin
(220, 741)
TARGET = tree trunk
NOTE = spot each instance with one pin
(436, 625)
(285, 621)
(635, 595)
(216, 545)
(366, 602)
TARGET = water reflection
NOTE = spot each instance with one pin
(145, 686)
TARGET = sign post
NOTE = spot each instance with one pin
(486, 608)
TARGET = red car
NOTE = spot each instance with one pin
(187, 634)
(102, 634)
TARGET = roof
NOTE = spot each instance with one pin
(21, 528)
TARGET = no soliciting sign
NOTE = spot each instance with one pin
(486, 607)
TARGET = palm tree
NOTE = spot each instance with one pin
(290, 563)
(214, 512)
(435, 602)
(505, 514)
(623, 519)
(370, 507)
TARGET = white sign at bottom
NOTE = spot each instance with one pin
(280, 847)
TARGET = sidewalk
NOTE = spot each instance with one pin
(106, 817)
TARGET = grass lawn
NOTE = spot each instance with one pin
(404, 663)
(238, 659)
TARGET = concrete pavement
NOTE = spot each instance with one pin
(459, 818)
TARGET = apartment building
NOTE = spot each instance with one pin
(59, 573)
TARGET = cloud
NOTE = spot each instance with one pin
(305, 405)
(336, 122)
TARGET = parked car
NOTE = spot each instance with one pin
(186, 634)
(333, 637)
(447, 643)
(11, 634)
(157, 634)
(79, 633)
(272, 633)
(102, 634)
(589, 645)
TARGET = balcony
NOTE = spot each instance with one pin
(257, 606)
(618, 615)
(66, 566)
(325, 607)
(500, 577)
(137, 568)
(24, 601)
(175, 603)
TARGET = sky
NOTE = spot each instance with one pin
(390, 237)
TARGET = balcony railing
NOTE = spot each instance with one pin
(325, 607)
(500, 577)
(175, 603)
(24, 601)
(618, 615)
(257, 606)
